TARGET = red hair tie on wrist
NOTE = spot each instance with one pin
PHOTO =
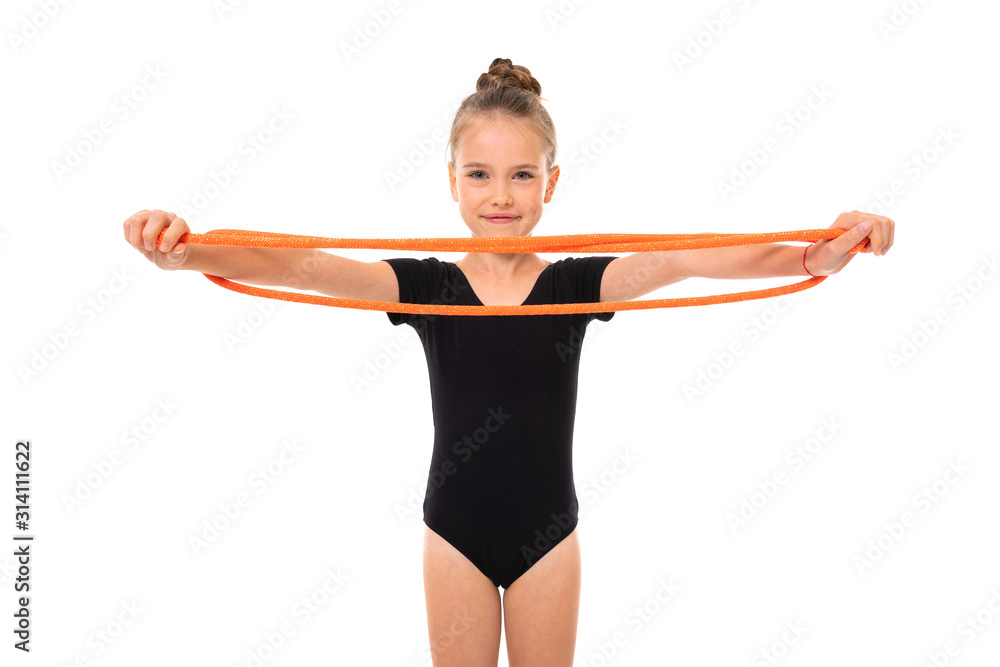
(804, 260)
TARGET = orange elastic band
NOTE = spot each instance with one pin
(576, 243)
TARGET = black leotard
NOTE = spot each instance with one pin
(503, 392)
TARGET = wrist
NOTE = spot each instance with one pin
(806, 257)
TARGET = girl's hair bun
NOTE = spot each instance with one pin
(506, 91)
(503, 72)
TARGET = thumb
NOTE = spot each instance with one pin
(855, 237)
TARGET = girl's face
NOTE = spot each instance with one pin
(498, 178)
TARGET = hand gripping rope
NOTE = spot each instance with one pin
(576, 243)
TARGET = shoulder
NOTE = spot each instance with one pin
(582, 274)
(582, 268)
(418, 278)
(400, 264)
(412, 269)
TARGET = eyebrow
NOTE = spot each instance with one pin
(481, 165)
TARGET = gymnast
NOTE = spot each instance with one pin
(500, 508)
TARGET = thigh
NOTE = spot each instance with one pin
(541, 609)
(463, 607)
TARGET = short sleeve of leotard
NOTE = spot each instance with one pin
(418, 280)
(585, 274)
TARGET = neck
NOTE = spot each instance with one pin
(499, 264)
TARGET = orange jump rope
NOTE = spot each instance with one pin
(576, 243)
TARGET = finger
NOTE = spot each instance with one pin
(880, 234)
(153, 220)
(177, 227)
(877, 234)
(883, 233)
(884, 239)
(127, 225)
(136, 224)
(157, 220)
(887, 234)
(856, 235)
(853, 223)
(161, 236)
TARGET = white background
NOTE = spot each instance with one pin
(825, 354)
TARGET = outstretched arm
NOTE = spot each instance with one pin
(300, 268)
(634, 275)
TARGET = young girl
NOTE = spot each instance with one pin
(500, 506)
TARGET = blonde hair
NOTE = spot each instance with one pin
(506, 90)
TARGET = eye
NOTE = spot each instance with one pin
(473, 175)
(528, 174)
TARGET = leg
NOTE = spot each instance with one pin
(541, 609)
(463, 607)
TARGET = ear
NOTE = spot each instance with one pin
(550, 185)
(451, 181)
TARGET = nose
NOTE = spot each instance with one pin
(501, 194)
